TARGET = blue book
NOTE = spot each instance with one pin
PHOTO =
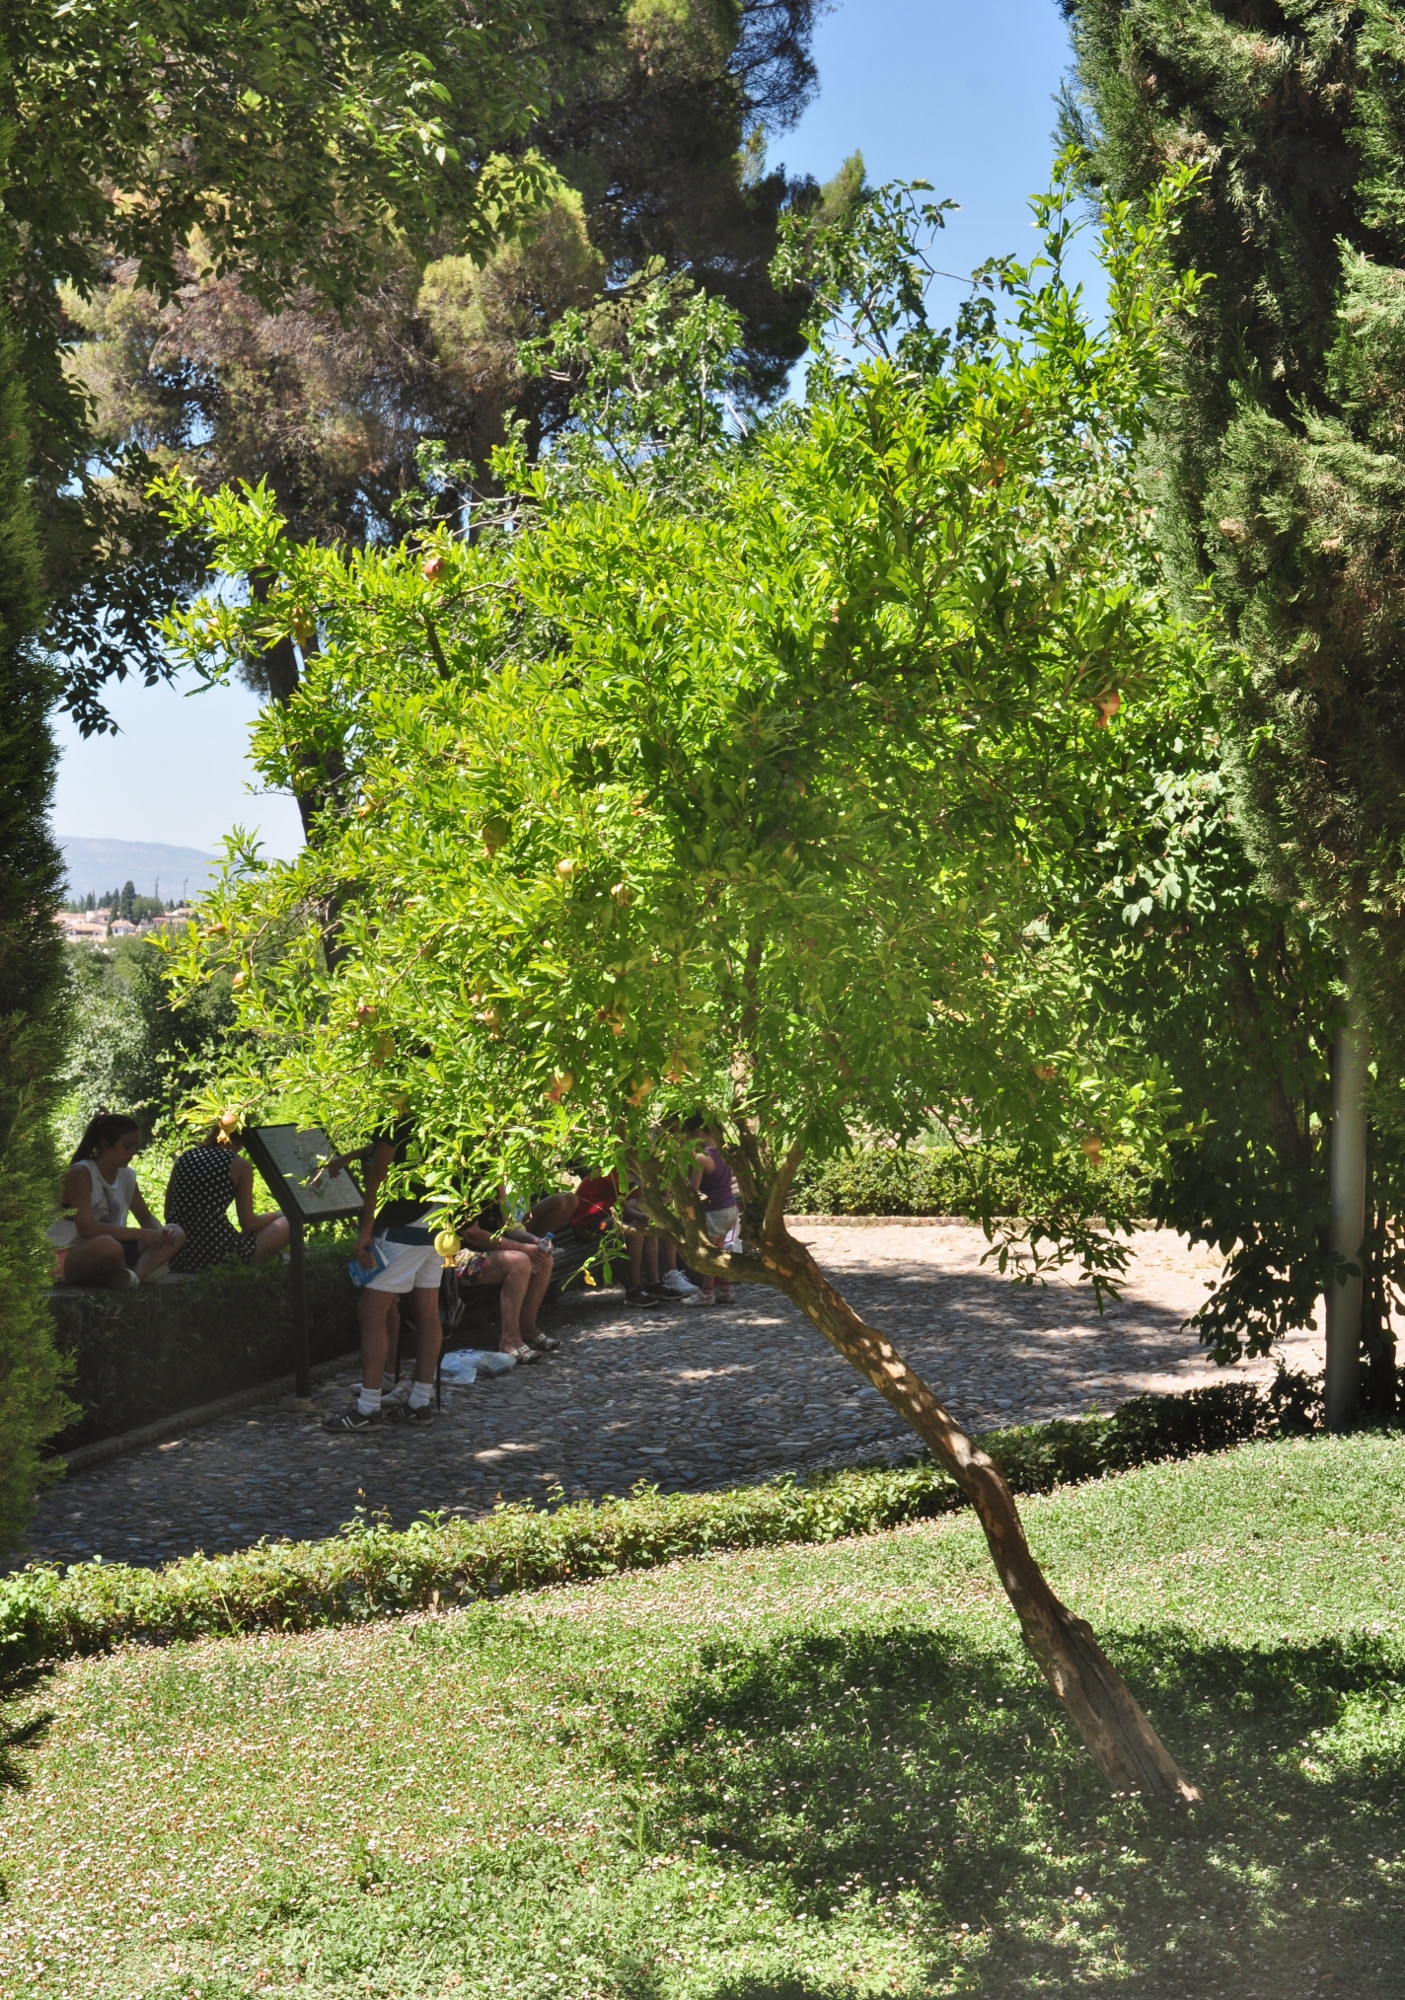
(357, 1271)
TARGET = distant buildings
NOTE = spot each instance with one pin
(90, 927)
(97, 927)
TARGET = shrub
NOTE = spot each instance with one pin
(127, 1047)
(892, 1180)
(371, 1571)
(31, 1405)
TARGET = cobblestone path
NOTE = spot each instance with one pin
(683, 1398)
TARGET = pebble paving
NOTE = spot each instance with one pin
(683, 1398)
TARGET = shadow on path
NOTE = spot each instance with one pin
(687, 1400)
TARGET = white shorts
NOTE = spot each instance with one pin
(409, 1267)
(721, 1223)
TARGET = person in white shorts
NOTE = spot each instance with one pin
(411, 1264)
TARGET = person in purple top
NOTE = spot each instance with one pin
(712, 1177)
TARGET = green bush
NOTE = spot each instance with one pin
(371, 1571)
(980, 1180)
(128, 1049)
(32, 1406)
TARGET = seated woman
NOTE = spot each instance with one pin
(93, 1241)
(204, 1180)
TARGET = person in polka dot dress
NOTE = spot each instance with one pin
(204, 1180)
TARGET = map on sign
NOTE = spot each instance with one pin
(295, 1163)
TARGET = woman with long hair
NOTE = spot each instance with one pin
(93, 1240)
(204, 1180)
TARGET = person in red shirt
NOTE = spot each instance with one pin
(595, 1202)
(588, 1214)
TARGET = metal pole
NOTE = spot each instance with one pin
(297, 1273)
(1350, 1057)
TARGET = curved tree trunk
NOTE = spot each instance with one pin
(1123, 1744)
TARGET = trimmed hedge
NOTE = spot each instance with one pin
(369, 1571)
(893, 1180)
(161, 1348)
(32, 1000)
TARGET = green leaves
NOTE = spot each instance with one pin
(291, 138)
(748, 788)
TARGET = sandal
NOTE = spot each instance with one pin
(521, 1355)
(542, 1343)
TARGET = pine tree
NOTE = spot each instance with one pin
(657, 113)
(1280, 472)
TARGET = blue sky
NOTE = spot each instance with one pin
(957, 94)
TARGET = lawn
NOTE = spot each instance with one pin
(777, 1775)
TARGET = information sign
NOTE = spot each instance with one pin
(294, 1162)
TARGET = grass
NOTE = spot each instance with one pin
(781, 1774)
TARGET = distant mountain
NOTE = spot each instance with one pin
(101, 865)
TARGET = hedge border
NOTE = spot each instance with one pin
(48, 1613)
(911, 1181)
(158, 1350)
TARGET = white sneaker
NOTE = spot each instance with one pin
(677, 1284)
(697, 1298)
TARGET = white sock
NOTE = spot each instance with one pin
(368, 1402)
(420, 1394)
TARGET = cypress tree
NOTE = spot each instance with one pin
(32, 1406)
(1279, 473)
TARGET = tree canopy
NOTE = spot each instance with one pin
(1278, 470)
(860, 654)
(326, 376)
(732, 775)
(297, 141)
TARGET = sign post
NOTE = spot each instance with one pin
(293, 1163)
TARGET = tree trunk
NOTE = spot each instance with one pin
(1124, 1746)
(314, 786)
(1123, 1743)
(1350, 1056)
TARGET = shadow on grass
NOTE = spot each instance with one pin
(772, 1989)
(943, 1785)
(17, 1736)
